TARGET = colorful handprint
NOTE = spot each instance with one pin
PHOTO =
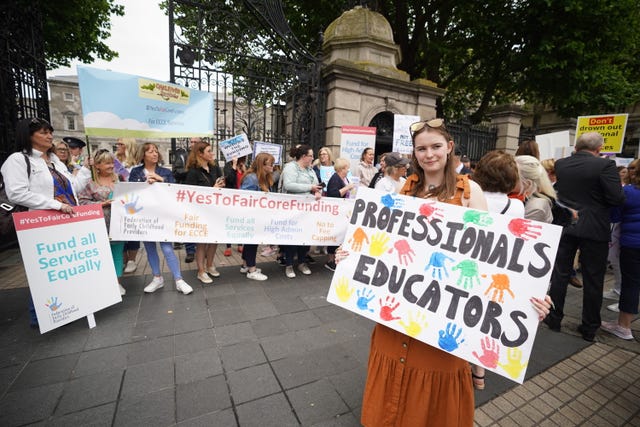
(469, 274)
(364, 298)
(379, 244)
(391, 201)
(437, 265)
(404, 251)
(448, 340)
(343, 290)
(356, 240)
(430, 210)
(499, 285)
(387, 308)
(490, 353)
(415, 324)
(53, 304)
(479, 218)
(524, 229)
(130, 204)
(514, 365)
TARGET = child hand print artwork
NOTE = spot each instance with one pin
(471, 273)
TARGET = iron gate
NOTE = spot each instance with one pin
(270, 89)
(473, 140)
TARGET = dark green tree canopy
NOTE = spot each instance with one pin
(76, 29)
(576, 56)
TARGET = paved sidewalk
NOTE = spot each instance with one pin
(273, 353)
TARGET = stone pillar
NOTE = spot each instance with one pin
(507, 120)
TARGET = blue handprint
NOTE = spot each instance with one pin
(53, 303)
(392, 202)
(436, 262)
(364, 298)
(130, 205)
(448, 340)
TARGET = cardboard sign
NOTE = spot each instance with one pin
(185, 213)
(353, 141)
(267, 147)
(68, 264)
(455, 278)
(402, 142)
(611, 126)
(235, 147)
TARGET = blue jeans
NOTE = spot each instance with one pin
(169, 256)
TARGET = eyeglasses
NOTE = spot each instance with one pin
(62, 149)
(418, 126)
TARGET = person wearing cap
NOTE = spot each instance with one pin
(396, 169)
(76, 146)
(466, 162)
(461, 169)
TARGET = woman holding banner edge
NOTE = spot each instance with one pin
(410, 383)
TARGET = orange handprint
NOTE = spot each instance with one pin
(356, 240)
(499, 285)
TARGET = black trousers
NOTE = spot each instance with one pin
(593, 262)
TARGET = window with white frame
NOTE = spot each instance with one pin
(69, 122)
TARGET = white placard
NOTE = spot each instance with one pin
(455, 278)
(401, 134)
(68, 264)
(555, 145)
(353, 141)
(267, 147)
(236, 147)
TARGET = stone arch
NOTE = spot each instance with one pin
(383, 121)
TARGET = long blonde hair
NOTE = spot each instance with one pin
(103, 155)
(533, 177)
(131, 152)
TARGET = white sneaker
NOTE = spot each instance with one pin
(289, 272)
(304, 269)
(130, 267)
(182, 286)
(617, 330)
(156, 283)
(268, 251)
(245, 269)
(611, 294)
(613, 307)
(213, 272)
(123, 291)
(256, 275)
(204, 278)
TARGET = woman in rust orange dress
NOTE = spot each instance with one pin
(410, 383)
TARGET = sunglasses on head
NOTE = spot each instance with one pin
(418, 126)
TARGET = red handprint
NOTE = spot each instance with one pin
(386, 308)
(523, 228)
(430, 210)
(490, 353)
(404, 251)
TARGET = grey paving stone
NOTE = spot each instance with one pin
(301, 320)
(45, 371)
(224, 418)
(8, 375)
(197, 366)
(18, 408)
(148, 377)
(102, 337)
(152, 329)
(252, 383)
(194, 322)
(154, 409)
(269, 327)
(201, 397)
(342, 420)
(284, 345)
(192, 342)
(16, 353)
(146, 351)
(289, 304)
(316, 402)
(99, 416)
(251, 296)
(259, 311)
(270, 411)
(228, 316)
(61, 342)
(104, 359)
(217, 291)
(315, 301)
(350, 385)
(223, 302)
(242, 355)
(89, 391)
(233, 334)
(331, 313)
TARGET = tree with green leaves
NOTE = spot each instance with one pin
(575, 56)
(76, 29)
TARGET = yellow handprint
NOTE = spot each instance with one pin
(415, 325)
(513, 367)
(379, 244)
(343, 290)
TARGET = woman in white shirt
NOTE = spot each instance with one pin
(497, 175)
(396, 169)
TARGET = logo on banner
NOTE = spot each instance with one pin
(130, 203)
(59, 315)
(53, 304)
(151, 89)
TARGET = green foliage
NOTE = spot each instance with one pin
(76, 29)
(576, 56)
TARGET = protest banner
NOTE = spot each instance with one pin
(68, 264)
(353, 141)
(185, 213)
(267, 147)
(402, 142)
(555, 145)
(611, 126)
(124, 105)
(235, 147)
(455, 278)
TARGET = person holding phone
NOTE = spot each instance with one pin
(202, 171)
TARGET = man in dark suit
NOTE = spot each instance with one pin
(591, 185)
